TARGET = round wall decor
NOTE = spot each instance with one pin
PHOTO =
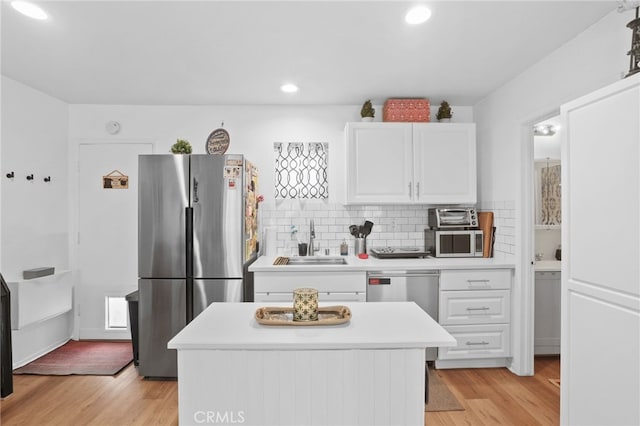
(218, 142)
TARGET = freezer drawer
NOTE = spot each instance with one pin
(162, 314)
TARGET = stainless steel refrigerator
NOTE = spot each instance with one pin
(197, 233)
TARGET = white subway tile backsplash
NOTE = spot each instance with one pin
(393, 225)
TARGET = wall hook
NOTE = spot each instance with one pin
(30, 177)
(47, 179)
(11, 175)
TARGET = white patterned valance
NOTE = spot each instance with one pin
(301, 170)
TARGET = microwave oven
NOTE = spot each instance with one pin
(454, 243)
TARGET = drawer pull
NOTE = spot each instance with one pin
(479, 283)
(477, 343)
(484, 308)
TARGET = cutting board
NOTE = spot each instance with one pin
(485, 220)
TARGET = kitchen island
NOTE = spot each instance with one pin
(370, 370)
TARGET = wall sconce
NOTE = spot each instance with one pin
(47, 179)
(11, 175)
(544, 130)
(30, 177)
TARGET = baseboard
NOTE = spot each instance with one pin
(547, 350)
(26, 360)
(472, 363)
(102, 334)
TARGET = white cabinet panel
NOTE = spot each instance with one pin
(601, 272)
(613, 392)
(616, 183)
(378, 154)
(333, 287)
(411, 163)
(474, 307)
(324, 298)
(477, 341)
(40, 298)
(487, 279)
(547, 317)
(445, 162)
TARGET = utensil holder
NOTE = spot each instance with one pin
(361, 246)
(302, 249)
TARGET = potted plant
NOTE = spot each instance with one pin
(181, 147)
(444, 112)
(367, 112)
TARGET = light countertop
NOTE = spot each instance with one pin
(382, 325)
(265, 264)
(547, 265)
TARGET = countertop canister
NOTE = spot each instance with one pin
(305, 304)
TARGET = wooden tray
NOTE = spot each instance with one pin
(327, 315)
(280, 260)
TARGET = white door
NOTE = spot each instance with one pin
(108, 233)
(445, 163)
(600, 336)
(379, 167)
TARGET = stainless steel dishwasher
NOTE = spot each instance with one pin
(420, 287)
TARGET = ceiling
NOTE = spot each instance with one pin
(241, 52)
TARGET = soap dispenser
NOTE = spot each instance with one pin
(344, 248)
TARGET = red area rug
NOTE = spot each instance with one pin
(82, 358)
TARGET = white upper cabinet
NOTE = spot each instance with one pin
(444, 163)
(379, 157)
(411, 163)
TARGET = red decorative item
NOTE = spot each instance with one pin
(363, 256)
(407, 110)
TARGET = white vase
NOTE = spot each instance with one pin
(367, 118)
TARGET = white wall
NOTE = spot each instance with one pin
(593, 59)
(34, 218)
(253, 130)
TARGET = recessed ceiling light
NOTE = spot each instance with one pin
(29, 9)
(289, 88)
(417, 15)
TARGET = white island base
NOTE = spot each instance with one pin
(232, 370)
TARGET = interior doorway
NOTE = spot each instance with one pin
(546, 234)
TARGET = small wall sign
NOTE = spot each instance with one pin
(218, 142)
(115, 180)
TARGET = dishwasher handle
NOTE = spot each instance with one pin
(392, 274)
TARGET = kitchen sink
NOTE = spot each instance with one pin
(317, 260)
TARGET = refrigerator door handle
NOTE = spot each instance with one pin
(195, 191)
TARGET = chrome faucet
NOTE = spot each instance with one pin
(312, 238)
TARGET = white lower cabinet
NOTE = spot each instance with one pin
(547, 316)
(333, 287)
(477, 341)
(475, 309)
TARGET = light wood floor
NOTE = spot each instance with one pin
(492, 396)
